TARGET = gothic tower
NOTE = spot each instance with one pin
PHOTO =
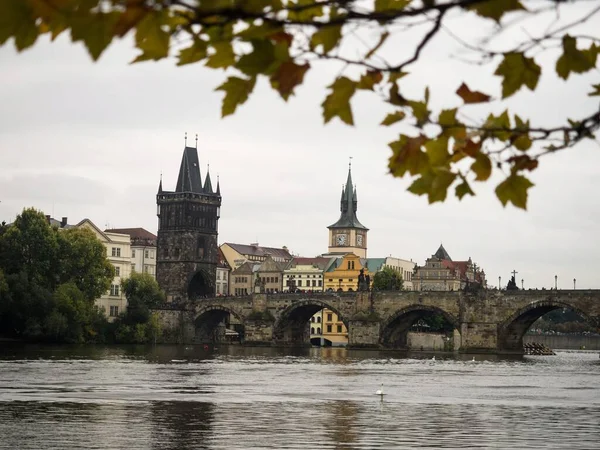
(187, 247)
(348, 235)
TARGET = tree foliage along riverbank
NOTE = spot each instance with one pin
(374, 47)
(50, 278)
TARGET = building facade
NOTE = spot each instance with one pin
(223, 272)
(118, 252)
(441, 273)
(342, 274)
(188, 217)
(348, 235)
(238, 254)
(305, 274)
(326, 329)
(241, 279)
(143, 249)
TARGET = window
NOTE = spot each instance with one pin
(276, 279)
(151, 254)
(114, 290)
(146, 254)
(133, 267)
(312, 330)
(117, 271)
(133, 252)
(314, 283)
(116, 251)
(318, 320)
(114, 311)
(331, 279)
(320, 283)
(339, 328)
(329, 317)
(318, 331)
(329, 328)
(299, 283)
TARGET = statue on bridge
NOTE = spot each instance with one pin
(512, 284)
(363, 281)
(259, 285)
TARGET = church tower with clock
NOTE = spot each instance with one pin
(348, 235)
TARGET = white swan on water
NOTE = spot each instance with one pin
(380, 391)
(433, 359)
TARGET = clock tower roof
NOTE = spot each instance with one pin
(348, 207)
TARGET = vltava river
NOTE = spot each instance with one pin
(170, 397)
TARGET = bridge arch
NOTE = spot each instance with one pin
(210, 324)
(394, 331)
(292, 327)
(512, 330)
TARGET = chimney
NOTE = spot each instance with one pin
(63, 222)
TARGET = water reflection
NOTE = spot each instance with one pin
(181, 425)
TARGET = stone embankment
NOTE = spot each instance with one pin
(533, 348)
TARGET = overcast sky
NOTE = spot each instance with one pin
(89, 140)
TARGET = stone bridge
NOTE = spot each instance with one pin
(487, 321)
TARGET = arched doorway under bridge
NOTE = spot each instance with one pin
(200, 286)
(421, 327)
(218, 324)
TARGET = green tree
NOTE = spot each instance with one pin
(441, 146)
(83, 261)
(388, 279)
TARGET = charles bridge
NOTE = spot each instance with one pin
(486, 321)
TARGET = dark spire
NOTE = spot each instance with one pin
(218, 186)
(442, 254)
(207, 183)
(160, 184)
(348, 206)
(185, 140)
(196, 141)
(189, 179)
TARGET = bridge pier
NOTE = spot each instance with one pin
(363, 333)
(478, 337)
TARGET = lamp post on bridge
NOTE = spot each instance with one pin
(499, 283)
(555, 282)
(574, 281)
(522, 288)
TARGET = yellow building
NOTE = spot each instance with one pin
(342, 274)
(326, 329)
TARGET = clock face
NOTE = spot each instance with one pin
(359, 239)
(341, 239)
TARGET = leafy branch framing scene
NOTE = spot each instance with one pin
(377, 45)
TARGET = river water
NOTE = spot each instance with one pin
(175, 397)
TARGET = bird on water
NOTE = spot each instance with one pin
(380, 391)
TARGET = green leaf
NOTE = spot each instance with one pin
(327, 36)
(151, 38)
(391, 5)
(407, 156)
(439, 187)
(19, 20)
(482, 167)
(420, 112)
(222, 57)
(369, 80)
(514, 190)
(304, 14)
(287, 77)
(259, 60)
(194, 53)
(437, 150)
(236, 91)
(498, 126)
(517, 70)
(495, 9)
(596, 90)
(393, 118)
(463, 189)
(575, 60)
(337, 103)
(95, 30)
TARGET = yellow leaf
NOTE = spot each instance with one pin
(470, 96)
(337, 103)
(482, 166)
(135, 11)
(236, 91)
(514, 190)
(573, 59)
(18, 20)
(369, 80)
(391, 5)
(393, 118)
(287, 77)
(437, 150)
(151, 38)
(194, 53)
(327, 36)
(96, 30)
(517, 70)
(420, 112)
(498, 127)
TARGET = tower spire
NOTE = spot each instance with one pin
(196, 140)
(218, 186)
(207, 183)
(160, 184)
(185, 139)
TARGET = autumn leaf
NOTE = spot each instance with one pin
(135, 11)
(407, 156)
(96, 31)
(18, 20)
(369, 80)
(517, 70)
(437, 151)
(573, 59)
(194, 53)
(596, 90)
(222, 57)
(151, 38)
(327, 37)
(391, 5)
(259, 60)
(393, 118)
(494, 9)
(470, 96)
(236, 91)
(498, 126)
(514, 190)
(287, 77)
(482, 167)
(463, 189)
(337, 103)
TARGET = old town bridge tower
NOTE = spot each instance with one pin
(188, 221)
